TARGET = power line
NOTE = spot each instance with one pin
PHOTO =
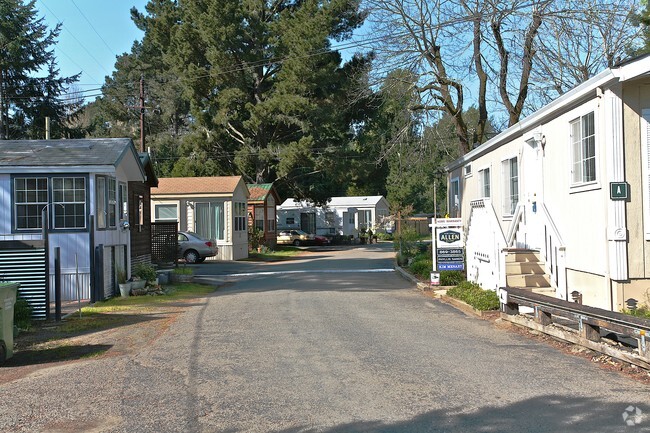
(93, 27)
(75, 38)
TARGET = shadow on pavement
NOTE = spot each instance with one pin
(55, 354)
(540, 414)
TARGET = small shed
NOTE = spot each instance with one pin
(262, 205)
(213, 207)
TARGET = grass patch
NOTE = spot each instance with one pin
(280, 253)
(474, 295)
(106, 314)
(173, 292)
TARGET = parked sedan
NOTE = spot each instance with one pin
(321, 240)
(295, 237)
(195, 249)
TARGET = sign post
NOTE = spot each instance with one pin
(448, 246)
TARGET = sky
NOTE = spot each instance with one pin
(94, 32)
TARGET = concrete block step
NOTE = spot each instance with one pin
(518, 268)
(523, 257)
(530, 280)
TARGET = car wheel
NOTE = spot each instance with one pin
(191, 256)
(200, 260)
(297, 242)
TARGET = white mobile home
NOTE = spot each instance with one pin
(568, 184)
(341, 216)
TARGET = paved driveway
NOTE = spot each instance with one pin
(328, 350)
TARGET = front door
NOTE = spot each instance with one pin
(308, 222)
(531, 231)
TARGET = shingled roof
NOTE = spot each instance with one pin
(53, 153)
(196, 185)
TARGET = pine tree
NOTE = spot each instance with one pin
(25, 52)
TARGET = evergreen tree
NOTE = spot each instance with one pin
(267, 90)
(25, 98)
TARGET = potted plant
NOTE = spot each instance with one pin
(125, 286)
(145, 273)
(182, 274)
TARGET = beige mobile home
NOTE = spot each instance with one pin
(213, 207)
(560, 202)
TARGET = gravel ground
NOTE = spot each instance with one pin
(322, 352)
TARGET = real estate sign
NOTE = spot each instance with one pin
(449, 245)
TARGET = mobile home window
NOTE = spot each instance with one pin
(112, 202)
(124, 207)
(166, 212)
(510, 177)
(30, 197)
(484, 182)
(69, 202)
(583, 149)
(240, 216)
(100, 198)
(454, 198)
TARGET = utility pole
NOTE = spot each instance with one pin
(141, 113)
(141, 107)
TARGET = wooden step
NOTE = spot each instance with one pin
(547, 291)
(519, 268)
(530, 280)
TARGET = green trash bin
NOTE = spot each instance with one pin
(7, 301)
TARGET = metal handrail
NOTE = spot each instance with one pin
(514, 225)
(586, 316)
(551, 223)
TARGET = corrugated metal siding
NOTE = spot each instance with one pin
(27, 267)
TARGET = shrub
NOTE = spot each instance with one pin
(144, 271)
(422, 267)
(406, 242)
(451, 278)
(475, 296)
(22, 314)
(641, 311)
(384, 236)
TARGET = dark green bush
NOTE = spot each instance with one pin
(22, 314)
(422, 267)
(451, 278)
(475, 296)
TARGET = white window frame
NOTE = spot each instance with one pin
(452, 204)
(61, 206)
(484, 182)
(239, 216)
(39, 205)
(576, 148)
(111, 206)
(124, 202)
(510, 200)
(467, 170)
(168, 206)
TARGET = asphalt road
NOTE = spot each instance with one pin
(333, 342)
